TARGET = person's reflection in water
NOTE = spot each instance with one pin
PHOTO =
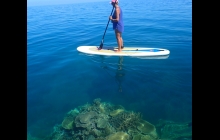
(120, 73)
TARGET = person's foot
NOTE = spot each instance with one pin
(121, 47)
(118, 51)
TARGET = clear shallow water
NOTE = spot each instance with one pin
(59, 78)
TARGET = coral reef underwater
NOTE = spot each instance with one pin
(105, 121)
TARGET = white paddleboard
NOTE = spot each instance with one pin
(126, 51)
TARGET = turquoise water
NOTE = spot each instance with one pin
(59, 78)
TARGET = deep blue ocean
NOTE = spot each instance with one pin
(59, 78)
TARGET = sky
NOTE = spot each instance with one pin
(54, 2)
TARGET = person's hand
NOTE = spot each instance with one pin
(110, 17)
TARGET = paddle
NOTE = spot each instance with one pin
(101, 45)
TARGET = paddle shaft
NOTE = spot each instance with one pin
(101, 45)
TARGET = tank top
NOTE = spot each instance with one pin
(118, 25)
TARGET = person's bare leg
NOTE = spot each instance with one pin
(119, 40)
(122, 43)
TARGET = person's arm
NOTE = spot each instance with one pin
(117, 12)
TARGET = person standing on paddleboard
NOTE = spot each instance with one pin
(118, 25)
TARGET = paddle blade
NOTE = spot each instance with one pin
(100, 47)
